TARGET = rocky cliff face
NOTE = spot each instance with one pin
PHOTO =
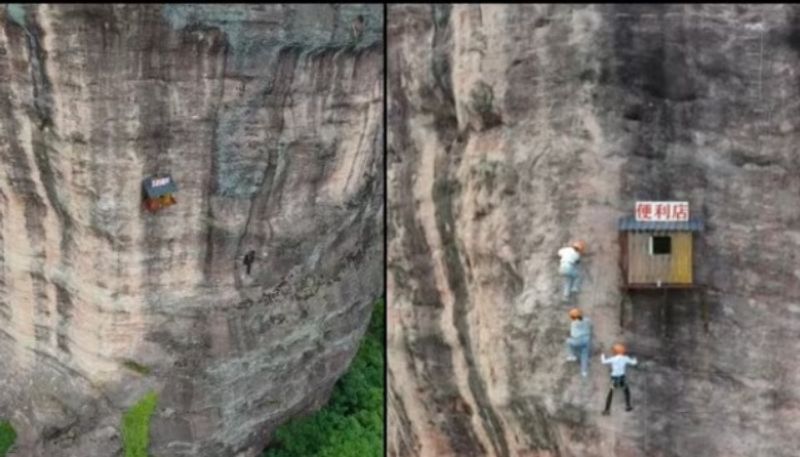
(269, 118)
(514, 129)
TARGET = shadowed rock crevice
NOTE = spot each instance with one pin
(436, 371)
(445, 190)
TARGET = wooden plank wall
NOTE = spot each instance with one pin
(644, 268)
(682, 258)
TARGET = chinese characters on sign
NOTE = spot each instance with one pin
(662, 211)
(159, 182)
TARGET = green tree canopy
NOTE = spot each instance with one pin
(351, 425)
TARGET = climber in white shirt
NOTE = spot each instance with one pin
(618, 364)
(569, 267)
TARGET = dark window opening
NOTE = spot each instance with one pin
(661, 245)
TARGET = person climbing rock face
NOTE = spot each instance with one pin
(579, 343)
(249, 258)
(570, 267)
(358, 27)
(618, 364)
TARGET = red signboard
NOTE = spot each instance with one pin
(662, 211)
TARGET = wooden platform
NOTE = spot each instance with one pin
(663, 286)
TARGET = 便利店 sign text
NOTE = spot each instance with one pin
(662, 211)
(159, 182)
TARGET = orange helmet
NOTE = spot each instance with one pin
(575, 313)
(618, 349)
(579, 246)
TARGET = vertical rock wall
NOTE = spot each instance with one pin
(269, 118)
(514, 129)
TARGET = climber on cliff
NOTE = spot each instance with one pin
(618, 364)
(249, 258)
(569, 267)
(579, 343)
(357, 27)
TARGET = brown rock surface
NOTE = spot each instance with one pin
(269, 117)
(513, 129)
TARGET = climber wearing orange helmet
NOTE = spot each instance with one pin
(579, 343)
(570, 268)
(618, 364)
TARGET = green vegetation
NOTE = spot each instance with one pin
(17, 13)
(482, 98)
(136, 426)
(482, 104)
(7, 437)
(137, 367)
(351, 425)
(486, 171)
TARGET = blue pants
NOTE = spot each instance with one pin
(572, 279)
(580, 349)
